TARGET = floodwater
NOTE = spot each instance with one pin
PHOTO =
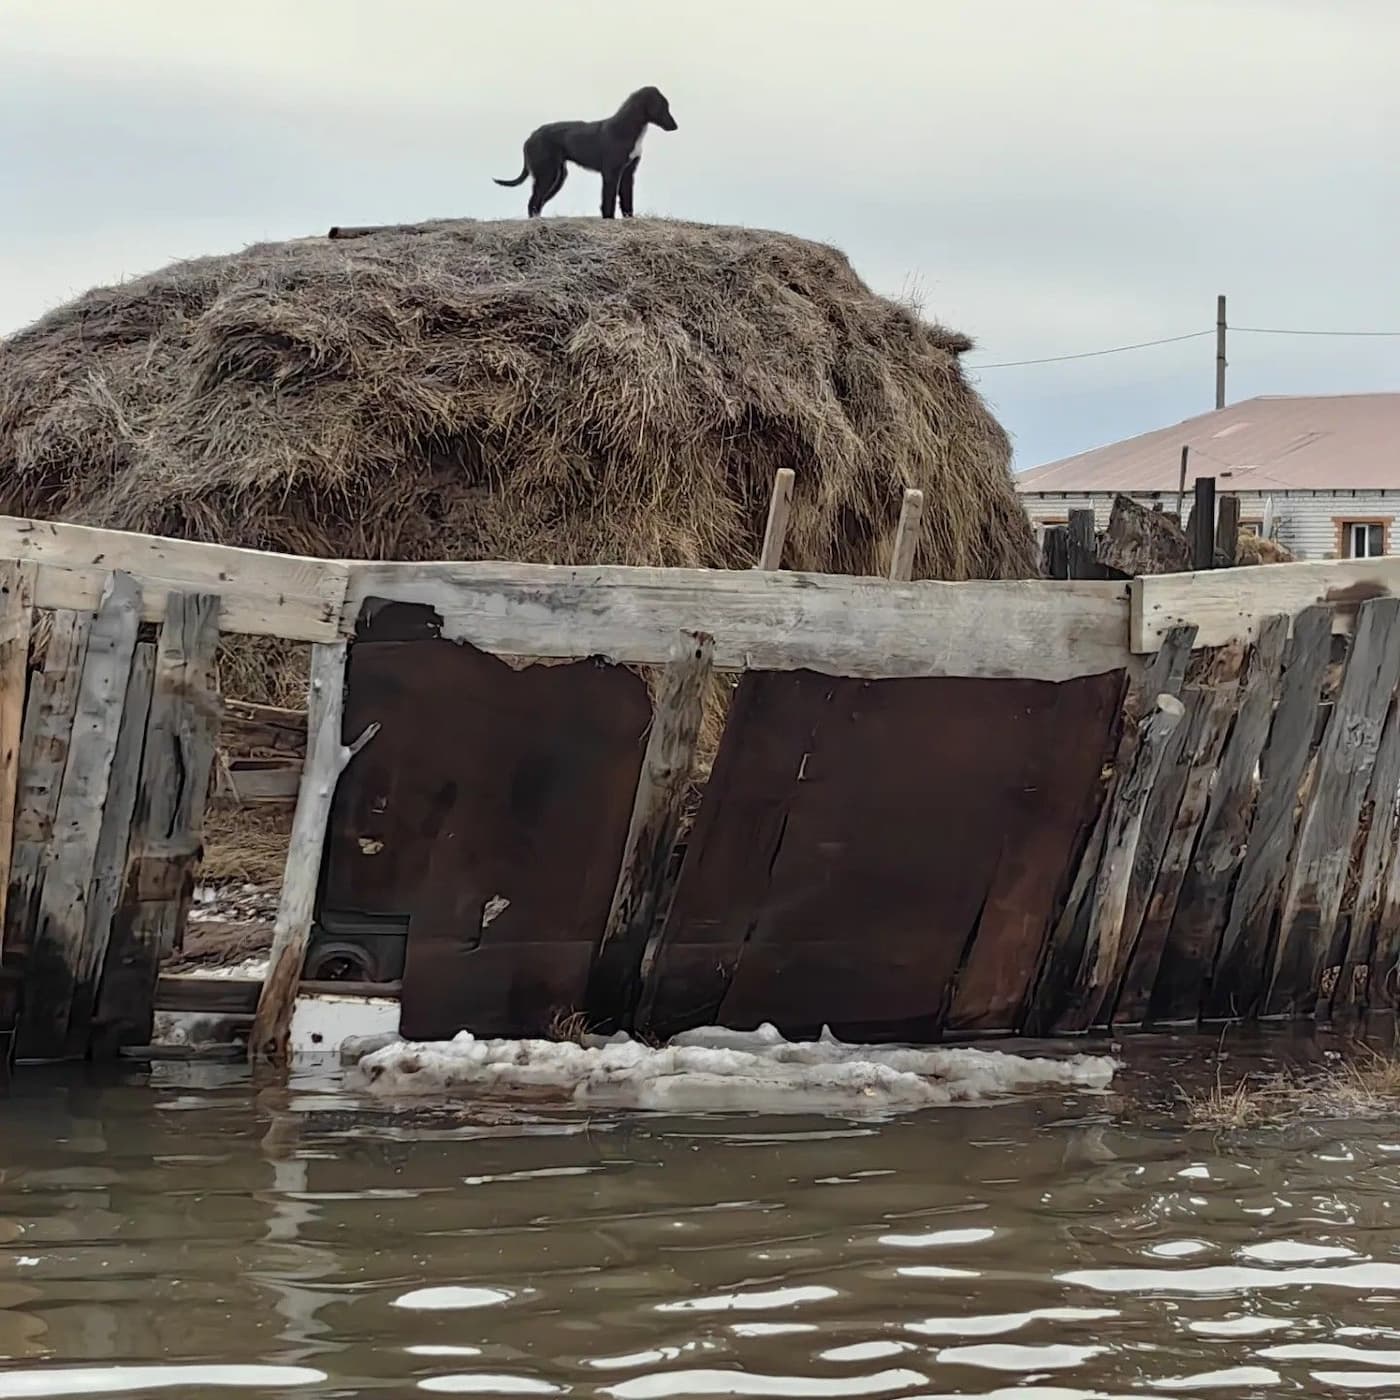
(190, 1233)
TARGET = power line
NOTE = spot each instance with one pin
(1270, 330)
(1090, 354)
(1177, 339)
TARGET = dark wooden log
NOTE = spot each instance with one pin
(1063, 954)
(1141, 541)
(1312, 896)
(1203, 524)
(1227, 532)
(57, 961)
(1240, 973)
(639, 898)
(1055, 552)
(167, 825)
(1203, 902)
(1083, 550)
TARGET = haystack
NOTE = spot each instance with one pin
(555, 391)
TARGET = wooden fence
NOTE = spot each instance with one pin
(1236, 860)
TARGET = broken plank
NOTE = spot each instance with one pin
(767, 620)
(48, 727)
(1238, 979)
(1349, 998)
(779, 508)
(167, 825)
(109, 869)
(1158, 987)
(906, 536)
(638, 900)
(262, 594)
(1203, 901)
(1062, 955)
(55, 964)
(326, 758)
(1317, 874)
(1090, 998)
(16, 617)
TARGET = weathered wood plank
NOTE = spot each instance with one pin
(56, 958)
(1231, 606)
(1203, 523)
(1054, 552)
(906, 536)
(1063, 954)
(48, 727)
(1154, 985)
(1090, 999)
(1317, 874)
(326, 758)
(772, 621)
(639, 899)
(1227, 531)
(1349, 998)
(1240, 973)
(276, 595)
(1083, 561)
(167, 825)
(16, 616)
(109, 868)
(247, 727)
(1203, 902)
(779, 509)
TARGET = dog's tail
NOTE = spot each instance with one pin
(519, 179)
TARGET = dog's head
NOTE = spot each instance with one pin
(657, 109)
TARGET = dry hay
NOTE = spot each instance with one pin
(552, 391)
(1253, 549)
(1362, 1083)
(246, 844)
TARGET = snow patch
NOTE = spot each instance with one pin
(713, 1068)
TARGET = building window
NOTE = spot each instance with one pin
(1361, 539)
(1253, 527)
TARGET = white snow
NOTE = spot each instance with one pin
(713, 1069)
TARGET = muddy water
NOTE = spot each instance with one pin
(190, 1234)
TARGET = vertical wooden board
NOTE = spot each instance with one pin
(1227, 531)
(56, 957)
(1083, 548)
(167, 824)
(614, 983)
(109, 869)
(1090, 998)
(1054, 555)
(1037, 864)
(1241, 974)
(1313, 893)
(1350, 997)
(16, 616)
(48, 726)
(1063, 955)
(1203, 900)
(906, 537)
(779, 508)
(1161, 984)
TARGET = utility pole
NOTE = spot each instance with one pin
(1220, 352)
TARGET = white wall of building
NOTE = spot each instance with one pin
(1305, 522)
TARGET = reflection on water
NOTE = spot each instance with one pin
(195, 1234)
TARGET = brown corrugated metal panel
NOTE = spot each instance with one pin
(858, 838)
(1345, 442)
(490, 811)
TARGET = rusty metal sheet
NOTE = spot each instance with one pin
(490, 811)
(856, 835)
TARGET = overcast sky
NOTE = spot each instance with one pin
(1050, 176)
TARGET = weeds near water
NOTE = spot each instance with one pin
(1364, 1084)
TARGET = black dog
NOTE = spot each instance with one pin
(612, 147)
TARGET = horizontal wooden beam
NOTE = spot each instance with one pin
(276, 595)
(1227, 605)
(780, 621)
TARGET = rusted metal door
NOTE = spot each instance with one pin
(864, 845)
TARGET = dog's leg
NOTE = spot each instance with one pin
(548, 183)
(624, 187)
(610, 184)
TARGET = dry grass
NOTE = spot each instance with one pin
(1365, 1083)
(568, 1026)
(558, 390)
(245, 844)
